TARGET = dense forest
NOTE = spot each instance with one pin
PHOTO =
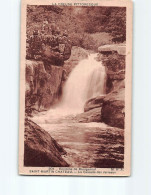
(87, 27)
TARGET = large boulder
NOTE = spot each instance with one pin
(113, 57)
(119, 48)
(113, 113)
(109, 109)
(113, 78)
(93, 103)
(40, 149)
(93, 115)
(113, 107)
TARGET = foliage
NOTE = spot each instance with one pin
(83, 24)
(107, 19)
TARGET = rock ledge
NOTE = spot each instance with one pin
(40, 149)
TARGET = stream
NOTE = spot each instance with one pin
(88, 145)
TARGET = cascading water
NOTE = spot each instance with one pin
(87, 80)
(81, 140)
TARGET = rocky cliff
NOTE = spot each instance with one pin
(40, 149)
(109, 108)
(42, 87)
(113, 107)
(113, 58)
(44, 81)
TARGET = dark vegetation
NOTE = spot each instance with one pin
(87, 27)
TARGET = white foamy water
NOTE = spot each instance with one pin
(86, 81)
(86, 144)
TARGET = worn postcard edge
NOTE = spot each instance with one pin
(128, 90)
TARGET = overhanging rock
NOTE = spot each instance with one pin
(119, 48)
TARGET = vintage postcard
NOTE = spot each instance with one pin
(75, 87)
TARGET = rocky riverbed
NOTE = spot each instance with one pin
(86, 144)
(94, 138)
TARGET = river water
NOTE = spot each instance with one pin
(87, 145)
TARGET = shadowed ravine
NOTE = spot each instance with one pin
(87, 144)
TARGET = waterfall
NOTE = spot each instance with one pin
(87, 80)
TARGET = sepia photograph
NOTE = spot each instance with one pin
(75, 97)
(74, 89)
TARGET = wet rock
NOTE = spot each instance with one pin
(113, 107)
(40, 149)
(42, 86)
(93, 103)
(109, 109)
(114, 59)
(113, 113)
(113, 62)
(93, 115)
(113, 78)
